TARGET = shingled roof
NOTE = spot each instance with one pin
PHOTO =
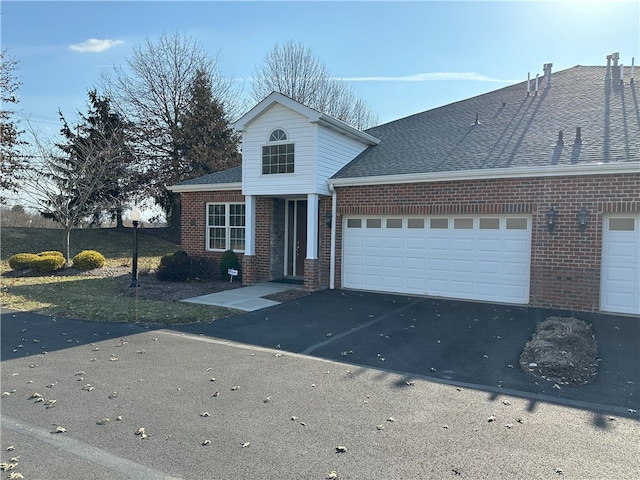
(231, 175)
(507, 128)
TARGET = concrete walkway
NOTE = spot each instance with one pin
(246, 299)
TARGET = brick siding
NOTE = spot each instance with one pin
(565, 265)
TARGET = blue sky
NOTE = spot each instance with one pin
(400, 57)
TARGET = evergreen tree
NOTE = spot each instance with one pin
(207, 143)
(11, 162)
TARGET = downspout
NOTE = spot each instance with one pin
(332, 267)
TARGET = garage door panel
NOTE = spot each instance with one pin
(486, 246)
(620, 274)
(517, 269)
(516, 247)
(620, 271)
(373, 261)
(488, 290)
(438, 244)
(438, 266)
(487, 268)
(463, 287)
(463, 245)
(395, 243)
(470, 263)
(372, 242)
(462, 267)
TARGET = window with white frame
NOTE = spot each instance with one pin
(278, 156)
(225, 226)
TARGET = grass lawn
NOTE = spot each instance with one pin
(93, 297)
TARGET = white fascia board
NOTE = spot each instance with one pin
(205, 187)
(335, 124)
(243, 122)
(313, 116)
(493, 173)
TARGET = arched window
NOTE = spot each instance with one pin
(277, 156)
(278, 135)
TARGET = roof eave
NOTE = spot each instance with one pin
(491, 174)
(205, 187)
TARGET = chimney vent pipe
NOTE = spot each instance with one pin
(560, 140)
(578, 135)
(547, 72)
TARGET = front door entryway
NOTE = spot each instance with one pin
(296, 242)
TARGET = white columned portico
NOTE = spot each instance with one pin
(312, 226)
(250, 225)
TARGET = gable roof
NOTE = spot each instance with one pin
(313, 116)
(513, 131)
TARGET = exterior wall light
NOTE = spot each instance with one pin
(583, 217)
(551, 219)
(327, 219)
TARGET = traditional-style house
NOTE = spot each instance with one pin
(527, 195)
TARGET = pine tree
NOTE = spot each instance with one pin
(207, 143)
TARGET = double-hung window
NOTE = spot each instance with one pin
(278, 155)
(225, 226)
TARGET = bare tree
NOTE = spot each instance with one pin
(11, 160)
(152, 91)
(294, 71)
(68, 185)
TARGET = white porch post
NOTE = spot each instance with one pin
(250, 225)
(312, 225)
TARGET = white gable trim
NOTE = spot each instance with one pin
(205, 187)
(492, 173)
(313, 116)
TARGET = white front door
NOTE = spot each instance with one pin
(620, 275)
(478, 258)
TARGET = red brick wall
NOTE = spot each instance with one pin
(194, 223)
(565, 265)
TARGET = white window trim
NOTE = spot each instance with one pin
(227, 227)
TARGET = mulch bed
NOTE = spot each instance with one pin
(150, 288)
(562, 350)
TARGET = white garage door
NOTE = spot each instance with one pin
(620, 276)
(477, 258)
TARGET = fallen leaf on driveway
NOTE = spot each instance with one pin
(60, 429)
(341, 449)
(332, 475)
(246, 444)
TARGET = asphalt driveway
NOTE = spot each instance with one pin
(411, 387)
(458, 342)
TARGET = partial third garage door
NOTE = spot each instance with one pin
(476, 258)
(620, 276)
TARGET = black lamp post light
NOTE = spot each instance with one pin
(135, 216)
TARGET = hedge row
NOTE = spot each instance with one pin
(52, 260)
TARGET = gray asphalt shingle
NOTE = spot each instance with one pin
(514, 130)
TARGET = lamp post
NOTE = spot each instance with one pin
(135, 219)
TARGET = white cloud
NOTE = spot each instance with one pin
(94, 45)
(431, 76)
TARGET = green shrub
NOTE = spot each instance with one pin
(47, 263)
(229, 260)
(174, 267)
(48, 253)
(199, 268)
(21, 261)
(88, 260)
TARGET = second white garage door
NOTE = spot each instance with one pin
(476, 258)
